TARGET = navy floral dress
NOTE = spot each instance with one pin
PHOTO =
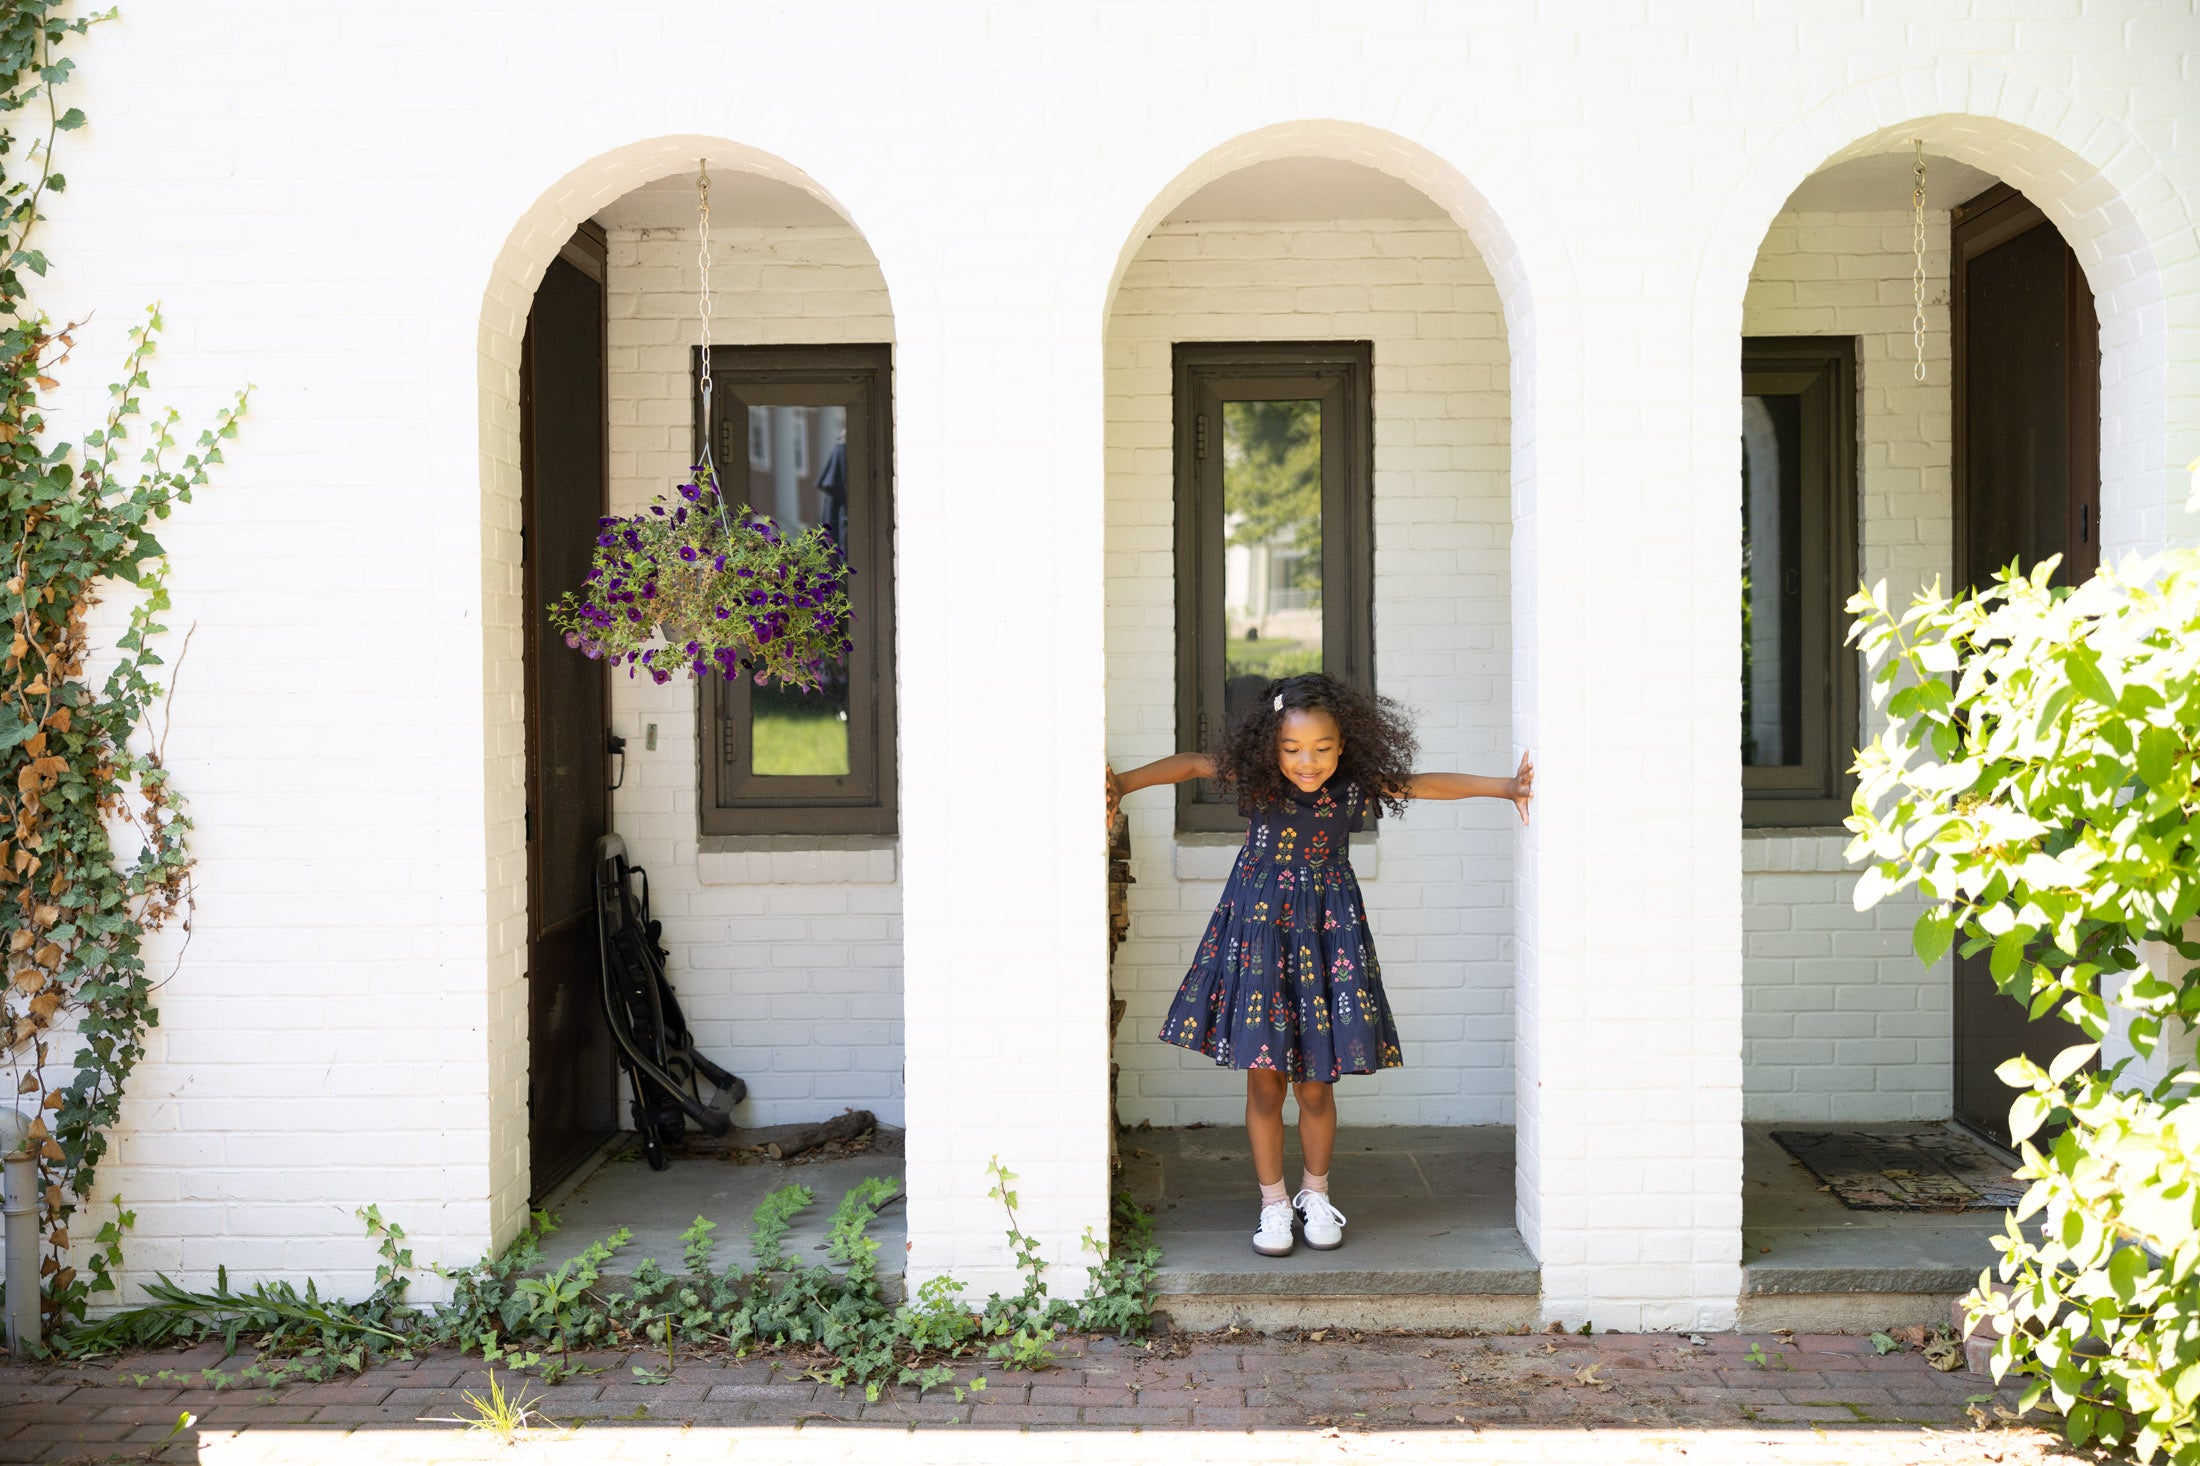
(1286, 978)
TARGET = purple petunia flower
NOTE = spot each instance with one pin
(687, 553)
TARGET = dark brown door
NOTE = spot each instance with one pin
(571, 1090)
(2027, 392)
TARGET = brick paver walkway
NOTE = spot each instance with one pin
(1342, 1397)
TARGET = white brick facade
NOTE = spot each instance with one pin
(351, 208)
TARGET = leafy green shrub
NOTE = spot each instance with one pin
(2037, 782)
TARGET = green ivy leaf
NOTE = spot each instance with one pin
(2027, 1115)
(2084, 666)
(1931, 937)
(2125, 1269)
(2069, 1062)
(2157, 760)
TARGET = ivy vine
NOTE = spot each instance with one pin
(92, 837)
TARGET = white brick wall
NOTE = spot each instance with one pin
(1439, 889)
(1840, 1022)
(326, 216)
(787, 960)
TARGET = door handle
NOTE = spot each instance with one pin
(615, 747)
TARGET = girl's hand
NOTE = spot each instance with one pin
(1115, 798)
(1523, 785)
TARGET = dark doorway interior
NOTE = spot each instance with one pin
(572, 1092)
(2027, 391)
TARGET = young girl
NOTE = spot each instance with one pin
(1286, 985)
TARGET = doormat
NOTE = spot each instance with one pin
(1931, 1168)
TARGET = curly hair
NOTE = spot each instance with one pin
(1378, 753)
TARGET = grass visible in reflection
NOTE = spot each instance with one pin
(1271, 657)
(796, 735)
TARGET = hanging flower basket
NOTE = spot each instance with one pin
(727, 591)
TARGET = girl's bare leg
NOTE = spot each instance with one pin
(1264, 1093)
(1317, 1127)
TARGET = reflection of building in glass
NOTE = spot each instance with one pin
(798, 475)
(1269, 589)
(792, 456)
(1763, 737)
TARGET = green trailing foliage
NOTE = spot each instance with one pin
(78, 763)
(2039, 784)
(834, 1324)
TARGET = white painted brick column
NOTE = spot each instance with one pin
(1004, 870)
(1627, 678)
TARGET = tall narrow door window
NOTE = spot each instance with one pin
(1275, 541)
(802, 434)
(1799, 679)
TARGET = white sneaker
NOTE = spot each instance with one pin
(1322, 1223)
(1274, 1238)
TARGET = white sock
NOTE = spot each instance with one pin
(1308, 1181)
(1272, 1195)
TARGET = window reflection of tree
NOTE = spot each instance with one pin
(1272, 519)
(1272, 475)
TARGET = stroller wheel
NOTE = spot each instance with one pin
(653, 1150)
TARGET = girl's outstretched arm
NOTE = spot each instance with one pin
(1174, 769)
(1520, 788)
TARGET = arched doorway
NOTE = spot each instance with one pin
(1876, 451)
(1295, 285)
(767, 827)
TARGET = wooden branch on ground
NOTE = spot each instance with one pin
(845, 1126)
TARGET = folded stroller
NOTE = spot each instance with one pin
(662, 1068)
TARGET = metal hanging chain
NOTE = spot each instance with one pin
(1917, 268)
(703, 310)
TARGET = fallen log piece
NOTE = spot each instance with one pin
(845, 1126)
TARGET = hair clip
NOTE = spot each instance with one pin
(1279, 702)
